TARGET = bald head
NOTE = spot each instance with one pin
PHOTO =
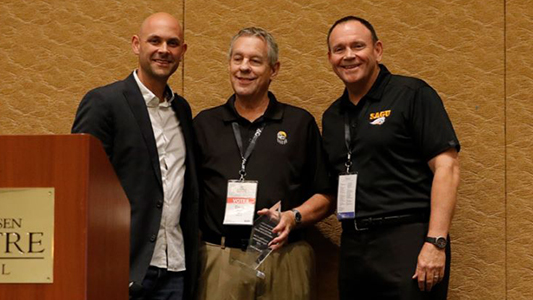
(160, 48)
(160, 19)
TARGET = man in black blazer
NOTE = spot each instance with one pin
(146, 130)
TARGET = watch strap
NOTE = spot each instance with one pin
(439, 241)
(297, 216)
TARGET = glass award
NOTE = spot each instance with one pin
(258, 246)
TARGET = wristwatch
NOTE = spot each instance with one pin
(439, 242)
(297, 216)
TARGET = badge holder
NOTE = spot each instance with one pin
(240, 202)
(258, 246)
(346, 193)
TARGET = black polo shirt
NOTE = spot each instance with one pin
(396, 128)
(288, 160)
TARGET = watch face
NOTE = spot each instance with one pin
(297, 216)
(441, 242)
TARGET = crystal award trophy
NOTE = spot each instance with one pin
(258, 247)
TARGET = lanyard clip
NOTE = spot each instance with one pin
(348, 163)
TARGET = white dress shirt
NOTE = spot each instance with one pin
(169, 252)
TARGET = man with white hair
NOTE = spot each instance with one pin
(272, 150)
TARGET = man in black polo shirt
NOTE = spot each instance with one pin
(270, 151)
(394, 152)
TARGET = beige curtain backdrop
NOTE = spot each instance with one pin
(476, 54)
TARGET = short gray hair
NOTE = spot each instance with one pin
(262, 34)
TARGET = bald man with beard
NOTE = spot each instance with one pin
(146, 131)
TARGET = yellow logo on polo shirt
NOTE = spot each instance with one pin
(282, 137)
(379, 118)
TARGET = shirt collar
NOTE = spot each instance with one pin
(149, 97)
(274, 110)
(375, 92)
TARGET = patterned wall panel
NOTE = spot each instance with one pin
(54, 51)
(519, 108)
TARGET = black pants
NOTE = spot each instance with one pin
(379, 263)
(160, 284)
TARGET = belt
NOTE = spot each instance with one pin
(374, 222)
(225, 241)
(241, 243)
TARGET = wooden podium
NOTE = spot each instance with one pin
(92, 216)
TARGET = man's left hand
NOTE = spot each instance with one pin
(430, 267)
(284, 227)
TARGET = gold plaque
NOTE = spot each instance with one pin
(26, 235)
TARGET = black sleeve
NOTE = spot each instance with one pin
(431, 127)
(317, 161)
(335, 151)
(94, 118)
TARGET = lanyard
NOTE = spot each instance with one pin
(347, 142)
(249, 149)
(348, 135)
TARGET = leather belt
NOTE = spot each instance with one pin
(374, 222)
(232, 242)
(225, 241)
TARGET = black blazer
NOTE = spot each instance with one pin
(116, 114)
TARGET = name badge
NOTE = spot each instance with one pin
(346, 196)
(240, 202)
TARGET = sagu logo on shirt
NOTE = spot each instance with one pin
(379, 118)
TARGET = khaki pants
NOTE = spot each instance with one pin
(289, 274)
